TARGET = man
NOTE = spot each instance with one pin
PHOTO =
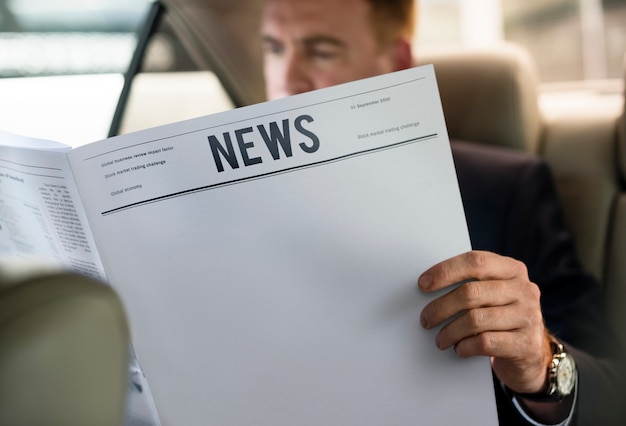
(520, 325)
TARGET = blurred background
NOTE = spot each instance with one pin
(93, 41)
(569, 39)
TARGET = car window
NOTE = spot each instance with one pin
(570, 40)
(168, 73)
(61, 64)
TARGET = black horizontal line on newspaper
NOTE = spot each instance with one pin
(269, 174)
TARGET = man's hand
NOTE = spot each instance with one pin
(499, 316)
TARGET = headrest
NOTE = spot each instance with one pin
(488, 95)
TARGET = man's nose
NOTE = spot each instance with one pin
(296, 77)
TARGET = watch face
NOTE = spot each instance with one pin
(566, 375)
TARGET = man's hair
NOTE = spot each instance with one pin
(392, 20)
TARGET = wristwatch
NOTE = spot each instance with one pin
(561, 375)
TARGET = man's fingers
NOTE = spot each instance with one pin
(473, 265)
(497, 344)
(484, 321)
(477, 294)
(495, 311)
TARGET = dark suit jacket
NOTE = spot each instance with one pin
(512, 209)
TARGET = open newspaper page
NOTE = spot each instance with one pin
(43, 227)
(268, 258)
(42, 220)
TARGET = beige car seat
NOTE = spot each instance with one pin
(470, 79)
(64, 348)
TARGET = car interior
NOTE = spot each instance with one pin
(489, 96)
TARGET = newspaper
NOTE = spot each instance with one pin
(268, 257)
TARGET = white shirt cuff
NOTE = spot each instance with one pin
(565, 422)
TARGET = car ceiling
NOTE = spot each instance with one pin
(223, 35)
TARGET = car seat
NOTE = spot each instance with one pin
(488, 95)
(63, 351)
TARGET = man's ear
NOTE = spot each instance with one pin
(402, 54)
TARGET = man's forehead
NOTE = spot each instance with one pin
(314, 17)
(320, 4)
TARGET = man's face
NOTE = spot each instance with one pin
(311, 44)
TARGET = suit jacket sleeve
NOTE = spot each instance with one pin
(512, 209)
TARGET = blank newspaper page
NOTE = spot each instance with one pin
(268, 258)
